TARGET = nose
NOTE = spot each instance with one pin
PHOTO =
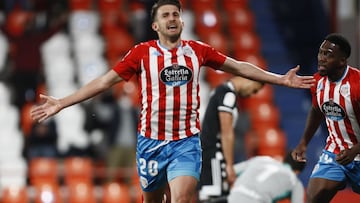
(321, 57)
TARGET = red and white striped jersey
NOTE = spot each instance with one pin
(169, 86)
(340, 103)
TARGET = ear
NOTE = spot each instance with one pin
(343, 61)
(154, 26)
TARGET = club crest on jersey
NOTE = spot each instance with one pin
(333, 111)
(345, 90)
(175, 75)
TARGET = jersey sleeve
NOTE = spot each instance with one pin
(212, 57)
(228, 102)
(130, 64)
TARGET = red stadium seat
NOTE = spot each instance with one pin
(207, 21)
(240, 20)
(80, 192)
(265, 94)
(109, 5)
(200, 5)
(263, 114)
(78, 169)
(47, 192)
(215, 78)
(118, 43)
(15, 195)
(43, 170)
(216, 40)
(254, 58)
(80, 5)
(229, 5)
(116, 192)
(271, 142)
(246, 42)
(16, 21)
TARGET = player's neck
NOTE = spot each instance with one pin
(170, 44)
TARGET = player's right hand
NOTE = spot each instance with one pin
(299, 153)
(50, 107)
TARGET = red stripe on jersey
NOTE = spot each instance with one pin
(149, 99)
(162, 102)
(176, 101)
(189, 101)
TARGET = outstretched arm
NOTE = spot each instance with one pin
(52, 105)
(250, 71)
(312, 123)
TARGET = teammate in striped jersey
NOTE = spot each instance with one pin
(167, 69)
(335, 99)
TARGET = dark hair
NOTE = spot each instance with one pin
(295, 165)
(341, 41)
(160, 3)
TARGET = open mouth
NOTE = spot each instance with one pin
(321, 68)
(172, 27)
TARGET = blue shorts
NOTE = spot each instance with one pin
(328, 168)
(159, 161)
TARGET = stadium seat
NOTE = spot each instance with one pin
(15, 194)
(201, 5)
(254, 58)
(229, 5)
(207, 21)
(116, 192)
(265, 94)
(109, 5)
(15, 22)
(215, 77)
(246, 42)
(4, 50)
(80, 192)
(240, 20)
(118, 43)
(83, 22)
(43, 170)
(263, 114)
(78, 169)
(216, 40)
(271, 142)
(76, 5)
(47, 192)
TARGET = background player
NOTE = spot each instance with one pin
(218, 135)
(263, 179)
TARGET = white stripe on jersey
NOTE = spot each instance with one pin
(169, 102)
(195, 100)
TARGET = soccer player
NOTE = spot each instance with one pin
(335, 99)
(218, 136)
(167, 70)
(263, 179)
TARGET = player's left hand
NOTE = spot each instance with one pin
(291, 79)
(346, 156)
